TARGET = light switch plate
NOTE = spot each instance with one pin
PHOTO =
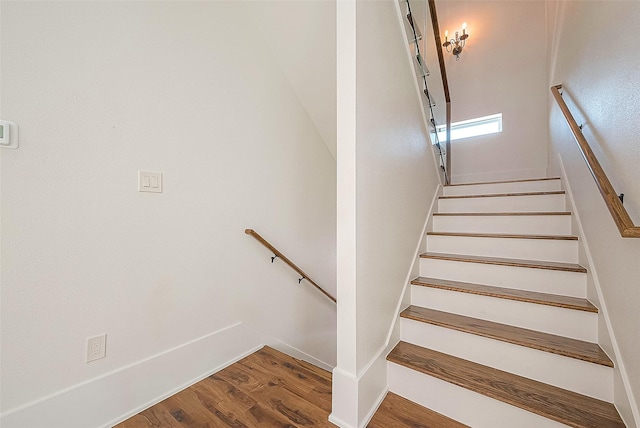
(149, 181)
(8, 135)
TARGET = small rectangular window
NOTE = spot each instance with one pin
(471, 128)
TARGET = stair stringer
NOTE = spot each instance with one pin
(624, 399)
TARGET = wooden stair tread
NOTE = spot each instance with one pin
(533, 264)
(559, 345)
(508, 293)
(505, 235)
(396, 411)
(558, 404)
(515, 213)
(505, 181)
(499, 195)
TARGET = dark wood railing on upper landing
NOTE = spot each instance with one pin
(618, 212)
(278, 255)
(445, 84)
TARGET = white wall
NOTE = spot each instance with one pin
(100, 90)
(302, 37)
(502, 69)
(389, 167)
(592, 58)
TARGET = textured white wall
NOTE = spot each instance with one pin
(594, 60)
(302, 37)
(502, 69)
(102, 89)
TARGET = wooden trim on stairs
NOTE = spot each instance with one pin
(503, 181)
(558, 404)
(506, 214)
(533, 264)
(499, 195)
(535, 297)
(620, 215)
(559, 345)
(505, 235)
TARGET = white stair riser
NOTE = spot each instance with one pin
(531, 203)
(545, 281)
(517, 187)
(571, 323)
(517, 224)
(527, 249)
(461, 404)
(575, 375)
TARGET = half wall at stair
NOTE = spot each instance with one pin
(386, 178)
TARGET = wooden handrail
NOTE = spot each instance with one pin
(445, 84)
(618, 212)
(292, 265)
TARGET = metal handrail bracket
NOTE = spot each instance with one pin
(614, 204)
(278, 255)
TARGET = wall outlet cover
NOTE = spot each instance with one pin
(96, 347)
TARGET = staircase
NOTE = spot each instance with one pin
(499, 332)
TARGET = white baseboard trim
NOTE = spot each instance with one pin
(619, 365)
(294, 352)
(126, 391)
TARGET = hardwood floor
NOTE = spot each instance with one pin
(271, 389)
(398, 412)
(265, 389)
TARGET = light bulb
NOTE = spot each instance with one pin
(464, 26)
(446, 35)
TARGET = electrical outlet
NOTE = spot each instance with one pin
(96, 347)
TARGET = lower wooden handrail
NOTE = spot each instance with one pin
(618, 212)
(292, 265)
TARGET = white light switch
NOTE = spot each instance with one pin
(149, 181)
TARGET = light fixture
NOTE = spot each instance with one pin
(455, 45)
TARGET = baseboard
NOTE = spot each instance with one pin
(116, 396)
(363, 394)
(628, 410)
(295, 352)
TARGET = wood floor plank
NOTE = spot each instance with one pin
(157, 416)
(398, 412)
(500, 195)
(572, 348)
(554, 403)
(265, 389)
(288, 404)
(251, 413)
(532, 264)
(505, 235)
(566, 302)
(292, 377)
(325, 374)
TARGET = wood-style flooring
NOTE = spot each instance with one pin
(271, 389)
